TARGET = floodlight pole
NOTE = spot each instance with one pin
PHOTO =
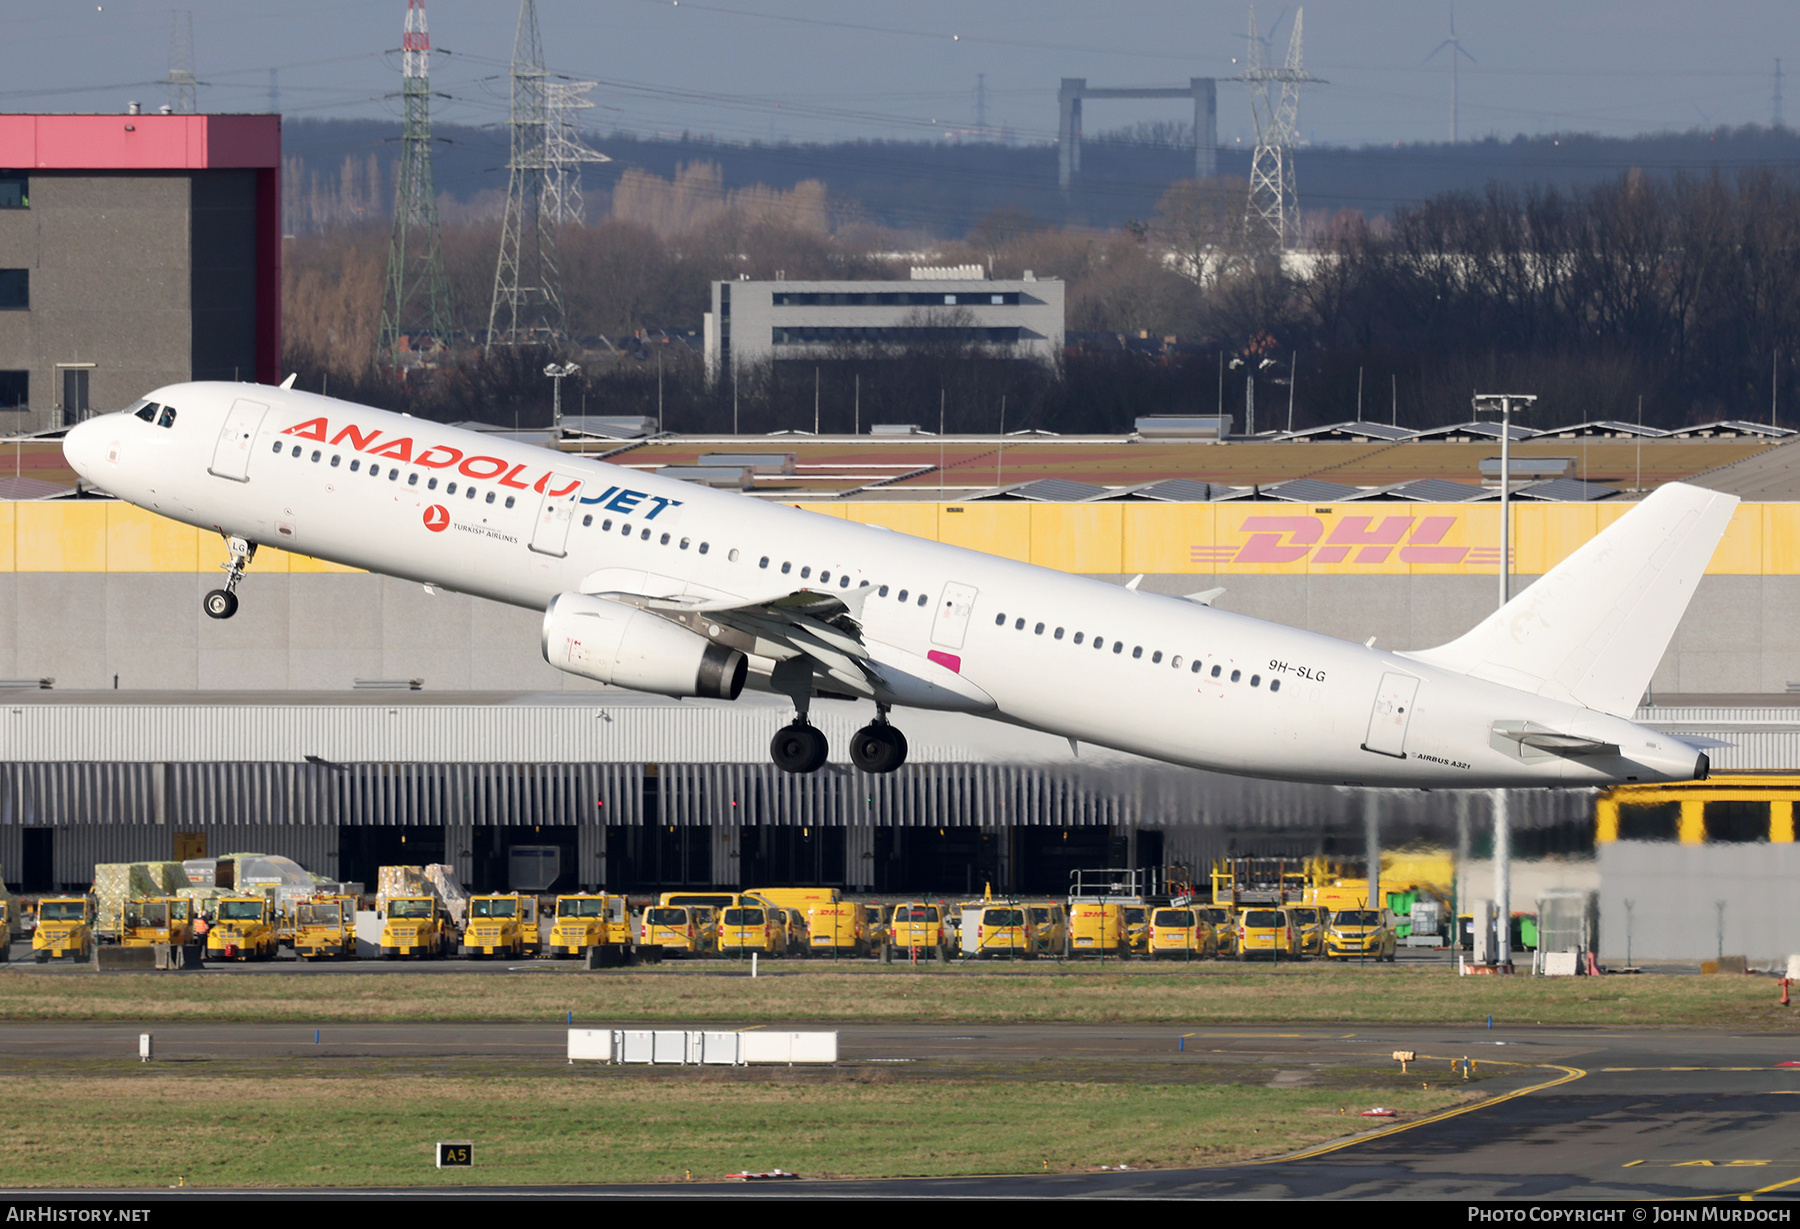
(1503, 404)
(557, 372)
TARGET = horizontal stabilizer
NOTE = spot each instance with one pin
(1592, 630)
(1543, 738)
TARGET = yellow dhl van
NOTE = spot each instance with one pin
(752, 927)
(838, 928)
(1266, 932)
(1181, 934)
(1049, 927)
(325, 928)
(158, 919)
(592, 920)
(677, 930)
(418, 927)
(244, 929)
(1097, 928)
(65, 927)
(997, 930)
(918, 926)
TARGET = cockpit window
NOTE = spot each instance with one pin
(168, 417)
(146, 411)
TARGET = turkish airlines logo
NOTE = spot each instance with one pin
(1417, 540)
(437, 518)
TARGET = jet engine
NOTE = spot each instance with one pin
(628, 647)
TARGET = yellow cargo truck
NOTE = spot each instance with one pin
(497, 925)
(163, 919)
(418, 927)
(65, 927)
(325, 928)
(592, 920)
(245, 929)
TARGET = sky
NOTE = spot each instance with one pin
(849, 69)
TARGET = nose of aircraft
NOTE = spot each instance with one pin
(84, 448)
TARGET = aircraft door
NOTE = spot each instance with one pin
(1393, 709)
(952, 621)
(231, 455)
(561, 495)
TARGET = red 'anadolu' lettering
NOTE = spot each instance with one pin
(399, 450)
(574, 485)
(426, 459)
(357, 439)
(484, 462)
(507, 479)
(311, 429)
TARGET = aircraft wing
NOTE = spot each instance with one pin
(820, 629)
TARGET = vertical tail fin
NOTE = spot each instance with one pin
(1592, 630)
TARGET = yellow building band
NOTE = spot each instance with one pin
(1158, 539)
(1678, 812)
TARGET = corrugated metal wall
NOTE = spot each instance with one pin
(1761, 739)
(193, 796)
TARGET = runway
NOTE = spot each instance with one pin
(1572, 1113)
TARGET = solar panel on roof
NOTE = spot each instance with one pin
(1567, 490)
(1312, 491)
(1058, 491)
(1439, 491)
(1178, 491)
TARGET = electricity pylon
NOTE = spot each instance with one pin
(417, 298)
(562, 179)
(1274, 204)
(527, 306)
(182, 83)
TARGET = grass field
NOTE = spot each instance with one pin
(1222, 995)
(580, 1127)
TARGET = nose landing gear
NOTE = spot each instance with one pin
(223, 603)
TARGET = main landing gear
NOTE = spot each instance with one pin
(878, 746)
(802, 747)
(223, 603)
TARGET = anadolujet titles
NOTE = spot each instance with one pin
(663, 586)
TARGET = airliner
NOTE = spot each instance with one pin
(663, 586)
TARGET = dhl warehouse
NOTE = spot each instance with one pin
(163, 733)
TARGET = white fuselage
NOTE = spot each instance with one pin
(949, 628)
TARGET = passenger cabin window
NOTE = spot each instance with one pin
(763, 564)
(704, 548)
(786, 568)
(921, 599)
(355, 465)
(587, 520)
(509, 501)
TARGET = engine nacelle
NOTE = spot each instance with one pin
(628, 647)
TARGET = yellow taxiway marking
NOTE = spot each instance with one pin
(1605, 1070)
(1569, 1075)
(1764, 1190)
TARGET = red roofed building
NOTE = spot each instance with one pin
(135, 251)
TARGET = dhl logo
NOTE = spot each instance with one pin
(1353, 539)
